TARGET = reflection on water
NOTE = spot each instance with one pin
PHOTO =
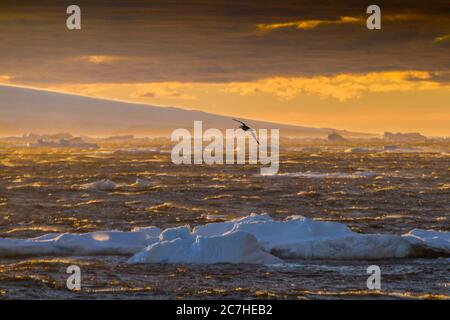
(42, 192)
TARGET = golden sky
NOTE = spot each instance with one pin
(311, 63)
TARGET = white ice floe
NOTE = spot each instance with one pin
(93, 243)
(251, 239)
(218, 228)
(105, 243)
(104, 184)
(429, 239)
(299, 237)
(183, 232)
(149, 231)
(235, 247)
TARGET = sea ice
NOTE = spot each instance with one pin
(251, 239)
(236, 247)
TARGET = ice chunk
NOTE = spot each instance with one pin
(238, 247)
(150, 231)
(92, 243)
(217, 228)
(183, 232)
(96, 243)
(434, 240)
(26, 247)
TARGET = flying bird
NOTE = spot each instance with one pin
(246, 128)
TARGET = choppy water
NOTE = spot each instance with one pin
(41, 192)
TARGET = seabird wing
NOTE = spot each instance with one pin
(254, 135)
(239, 122)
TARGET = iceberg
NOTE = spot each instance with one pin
(302, 238)
(254, 239)
(236, 247)
(77, 143)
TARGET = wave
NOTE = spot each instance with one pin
(359, 150)
(254, 239)
(133, 151)
(326, 175)
(109, 185)
(104, 184)
(142, 183)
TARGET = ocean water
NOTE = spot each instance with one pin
(46, 191)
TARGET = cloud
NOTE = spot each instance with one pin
(342, 87)
(162, 90)
(171, 90)
(443, 38)
(404, 17)
(314, 23)
(5, 78)
(167, 41)
(99, 59)
(309, 24)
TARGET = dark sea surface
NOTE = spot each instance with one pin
(41, 192)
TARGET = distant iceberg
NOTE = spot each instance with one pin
(254, 239)
(76, 143)
(404, 137)
(395, 149)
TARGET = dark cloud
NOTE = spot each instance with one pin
(213, 41)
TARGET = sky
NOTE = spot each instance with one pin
(311, 63)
